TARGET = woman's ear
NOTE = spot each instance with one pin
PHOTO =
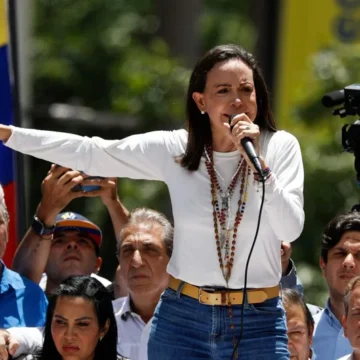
(105, 329)
(199, 100)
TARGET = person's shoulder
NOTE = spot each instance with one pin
(176, 141)
(18, 281)
(103, 280)
(279, 141)
(179, 136)
(174, 135)
(280, 136)
(29, 284)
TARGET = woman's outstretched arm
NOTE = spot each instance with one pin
(143, 156)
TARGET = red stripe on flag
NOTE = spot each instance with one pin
(10, 199)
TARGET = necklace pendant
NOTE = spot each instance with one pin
(222, 239)
(227, 248)
(224, 202)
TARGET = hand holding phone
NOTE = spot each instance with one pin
(85, 188)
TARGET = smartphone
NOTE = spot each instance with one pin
(88, 188)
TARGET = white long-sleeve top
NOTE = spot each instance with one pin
(152, 156)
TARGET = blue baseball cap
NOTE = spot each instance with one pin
(70, 221)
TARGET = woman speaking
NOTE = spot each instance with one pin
(216, 194)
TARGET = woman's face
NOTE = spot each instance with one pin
(229, 90)
(298, 334)
(75, 328)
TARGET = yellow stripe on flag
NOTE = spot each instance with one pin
(3, 24)
(307, 27)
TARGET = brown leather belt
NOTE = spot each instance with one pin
(216, 297)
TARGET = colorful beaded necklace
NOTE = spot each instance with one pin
(222, 216)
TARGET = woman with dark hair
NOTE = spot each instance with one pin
(80, 322)
(300, 325)
(216, 194)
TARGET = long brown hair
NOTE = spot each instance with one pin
(200, 130)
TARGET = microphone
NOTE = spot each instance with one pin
(333, 98)
(249, 148)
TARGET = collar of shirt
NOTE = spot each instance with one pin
(122, 309)
(347, 357)
(334, 322)
(10, 279)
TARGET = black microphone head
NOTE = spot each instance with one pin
(231, 117)
(245, 140)
(333, 98)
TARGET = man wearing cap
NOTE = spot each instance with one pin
(75, 250)
(22, 302)
(65, 244)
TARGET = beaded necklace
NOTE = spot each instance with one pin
(222, 216)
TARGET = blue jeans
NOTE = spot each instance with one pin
(184, 329)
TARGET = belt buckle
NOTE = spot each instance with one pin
(221, 299)
(199, 294)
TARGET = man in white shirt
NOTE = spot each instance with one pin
(350, 320)
(59, 245)
(144, 250)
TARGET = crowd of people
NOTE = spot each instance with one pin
(221, 283)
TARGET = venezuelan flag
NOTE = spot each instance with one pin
(6, 117)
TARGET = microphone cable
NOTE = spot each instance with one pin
(246, 272)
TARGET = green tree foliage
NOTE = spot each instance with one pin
(227, 21)
(105, 55)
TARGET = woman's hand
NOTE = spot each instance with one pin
(5, 132)
(241, 126)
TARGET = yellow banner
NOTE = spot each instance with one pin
(306, 27)
(3, 24)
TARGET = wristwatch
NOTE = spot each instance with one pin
(40, 229)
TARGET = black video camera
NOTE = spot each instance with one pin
(350, 98)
